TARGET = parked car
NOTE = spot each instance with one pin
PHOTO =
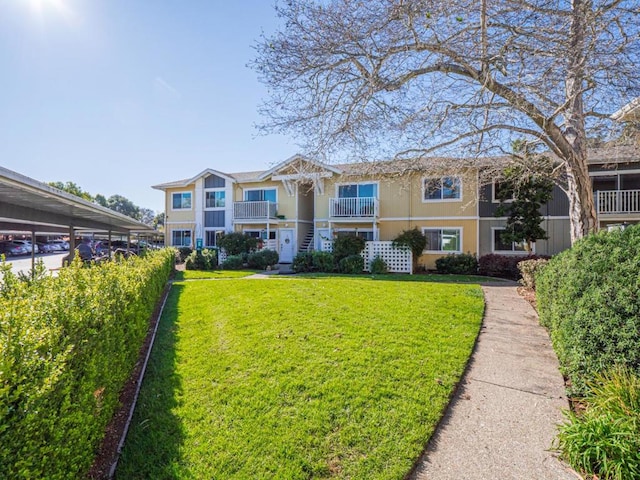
(11, 249)
(102, 247)
(27, 244)
(84, 251)
(63, 243)
(55, 246)
(45, 247)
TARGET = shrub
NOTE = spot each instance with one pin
(346, 245)
(529, 269)
(236, 243)
(351, 264)
(183, 253)
(378, 266)
(588, 298)
(202, 260)
(414, 240)
(67, 346)
(503, 266)
(263, 259)
(233, 262)
(323, 262)
(302, 262)
(604, 441)
(458, 264)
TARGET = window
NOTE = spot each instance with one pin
(181, 238)
(211, 237)
(445, 188)
(261, 234)
(366, 235)
(358, 190)
(501, 246)
(264, 195)
(214, 199)
(181, 201)
(443, 239)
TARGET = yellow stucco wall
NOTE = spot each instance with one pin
(179, 215)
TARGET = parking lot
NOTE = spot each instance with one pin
(52, 261)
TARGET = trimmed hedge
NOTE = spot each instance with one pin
(458, 264)
(67, 346)
(503, 266)
(588, 299)
(263, 259)
(353, 264)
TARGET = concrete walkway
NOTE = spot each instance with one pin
(502, 420)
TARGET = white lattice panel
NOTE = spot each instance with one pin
(326, 246)
(222, 256)
(398, 260)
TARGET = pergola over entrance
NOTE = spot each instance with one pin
(30, 206)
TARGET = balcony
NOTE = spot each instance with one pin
(357, 207)
(263, 210)
(618, 201)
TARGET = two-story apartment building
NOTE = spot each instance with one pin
(300, 203)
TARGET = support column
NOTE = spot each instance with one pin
(33, 251)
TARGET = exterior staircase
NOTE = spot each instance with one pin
(307, 243)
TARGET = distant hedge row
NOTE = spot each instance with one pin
(67, 346)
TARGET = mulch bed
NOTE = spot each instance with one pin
(108, 453)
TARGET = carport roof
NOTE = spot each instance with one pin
(27, 204)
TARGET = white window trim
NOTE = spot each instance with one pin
(213, 190)
(216, 229)
(439, 252)
(372, 182)
(182, 230)
(182, 209)
(442, 200)
(507, 252)
(244, 190)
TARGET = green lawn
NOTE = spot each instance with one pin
(207, 275)
(299, 378)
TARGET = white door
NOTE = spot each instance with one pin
(287, 245)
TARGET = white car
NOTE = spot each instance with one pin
(27, 245)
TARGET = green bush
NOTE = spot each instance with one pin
(378, 266)
(352, 264)
(323, 262)
(67, 346)
(263, 259)
(346, 245)
(529, 269)
(237, 243)
(588, 299)
(458, 264)
(302, 262)
(604, 441)
(202, 260)
(233, 262)
(414, 240)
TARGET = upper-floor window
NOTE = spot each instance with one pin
(181, 201)
(358, 190)
(261, 195)
(445, 188)
(214, 199)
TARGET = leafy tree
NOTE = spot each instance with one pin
(158, 220)
(237, 243)
(404, 78)
(73, 189)
(123, 205)
(414, 240)
(521, 195)
(101, 200)
(147, 216)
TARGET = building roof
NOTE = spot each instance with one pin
(630, 112)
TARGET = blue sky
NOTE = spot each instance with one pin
(119, 95)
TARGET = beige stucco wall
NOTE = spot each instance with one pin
(179, 215)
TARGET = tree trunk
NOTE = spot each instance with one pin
(582, 211)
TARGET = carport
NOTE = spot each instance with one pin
(35, 208)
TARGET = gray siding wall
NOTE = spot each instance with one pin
(557, 207)
(557, 230)
(214, 219)
(214, 181)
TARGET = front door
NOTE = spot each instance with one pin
(287, 247)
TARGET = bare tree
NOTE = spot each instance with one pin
(404, 78)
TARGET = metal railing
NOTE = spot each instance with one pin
(254, 210)
(618, 201)
(366, 207)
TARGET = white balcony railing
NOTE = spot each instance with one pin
(618, 201)
(364, 207)
(254, 210)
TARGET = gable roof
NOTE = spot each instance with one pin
(300, 158)
(630, 112)
(189, 181)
